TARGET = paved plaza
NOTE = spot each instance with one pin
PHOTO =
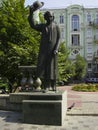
(83, 116)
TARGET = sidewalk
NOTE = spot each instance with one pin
(83, 116)
(86, 103)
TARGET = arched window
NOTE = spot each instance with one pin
(75, 23)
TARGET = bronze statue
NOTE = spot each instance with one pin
(47, 58)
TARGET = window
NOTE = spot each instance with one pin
(89, 49)
(88, 18)
(61, 19)
(76, 52)
(89, 65)
(89, 32)
(97, 53)
(75, 23)
(96, 34)
(76, 40)
(96, 19)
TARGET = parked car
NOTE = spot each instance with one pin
(91, 80)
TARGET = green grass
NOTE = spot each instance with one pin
(85, 87)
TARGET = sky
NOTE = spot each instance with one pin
(64, 3)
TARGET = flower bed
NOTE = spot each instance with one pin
(86, 87)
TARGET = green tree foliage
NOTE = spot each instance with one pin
(80, 68)
(41, 17)
(66, 69)
(18, 42)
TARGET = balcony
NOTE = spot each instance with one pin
(94, 23)
(96, 39)
(95, 70)
(75, 47)
(96, 55)
(91, 23)
(89, 69)
(89, 57)
(89, 39)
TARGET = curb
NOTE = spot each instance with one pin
(80, 112)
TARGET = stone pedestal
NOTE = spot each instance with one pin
(42, 108)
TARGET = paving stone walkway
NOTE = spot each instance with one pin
(86, 103)
(83, 116)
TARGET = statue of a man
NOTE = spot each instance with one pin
(49, 44)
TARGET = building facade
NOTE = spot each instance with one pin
(79, 31)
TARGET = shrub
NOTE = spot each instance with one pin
(4, 84)
(86, 87)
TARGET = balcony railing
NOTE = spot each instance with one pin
(89, 39)
(95, 70)
(96, 55)
(91, 23)
(75, 47)
(94, 23)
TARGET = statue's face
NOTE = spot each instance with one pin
(48, 16)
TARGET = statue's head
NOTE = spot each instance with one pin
(48, 15)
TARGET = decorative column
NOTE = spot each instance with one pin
(27, 77)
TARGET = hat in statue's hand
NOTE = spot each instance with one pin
(37, 5)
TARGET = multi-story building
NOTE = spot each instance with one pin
(79, 31)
